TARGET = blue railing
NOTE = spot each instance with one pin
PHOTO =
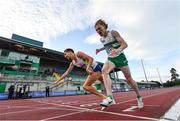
(4, 96)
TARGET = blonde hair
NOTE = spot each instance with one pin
(101, 22)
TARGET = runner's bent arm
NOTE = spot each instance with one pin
(120, 40)
(99, 50)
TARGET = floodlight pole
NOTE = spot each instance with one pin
(159, 76)
(144, 71)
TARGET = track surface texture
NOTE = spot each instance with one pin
(86, 107)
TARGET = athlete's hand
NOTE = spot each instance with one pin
(89, 71)
(97, 51)
(113, 52)
(51, 86)
(56, 83)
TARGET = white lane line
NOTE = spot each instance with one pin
(27, 107)
(33, 108)
(93, 110)
(85, 102)
(86, 109)
(131, 104)
(61, 116)
(11, 107)
(173, 113)
(19, 111)
(95, 101)
(130, 109)
(146, 97)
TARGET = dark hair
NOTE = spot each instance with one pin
(69, 50)
(101, 22)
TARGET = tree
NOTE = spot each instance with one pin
(175, 81)
(174, 75)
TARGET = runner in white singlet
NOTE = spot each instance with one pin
(86, 62)
(114, 45)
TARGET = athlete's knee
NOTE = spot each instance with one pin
(105, 71)
(129, 78)
(85, 87)
(130, 81)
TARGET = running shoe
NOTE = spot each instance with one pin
(107, 102)
(114, 102)
(140, 102)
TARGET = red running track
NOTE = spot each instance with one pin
(86, 107)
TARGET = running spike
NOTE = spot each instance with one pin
(103, 108)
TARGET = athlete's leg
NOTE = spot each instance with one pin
(103, 87)
(101, 79)
(107, 67)
(127, 74)
(126, 71)
(88, 84)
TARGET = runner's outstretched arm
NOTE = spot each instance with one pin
(61, 79)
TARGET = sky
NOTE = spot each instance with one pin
(151, 29)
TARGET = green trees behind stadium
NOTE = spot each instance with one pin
(175, 81)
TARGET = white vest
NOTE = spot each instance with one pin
(83, 63)
(110, 42)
